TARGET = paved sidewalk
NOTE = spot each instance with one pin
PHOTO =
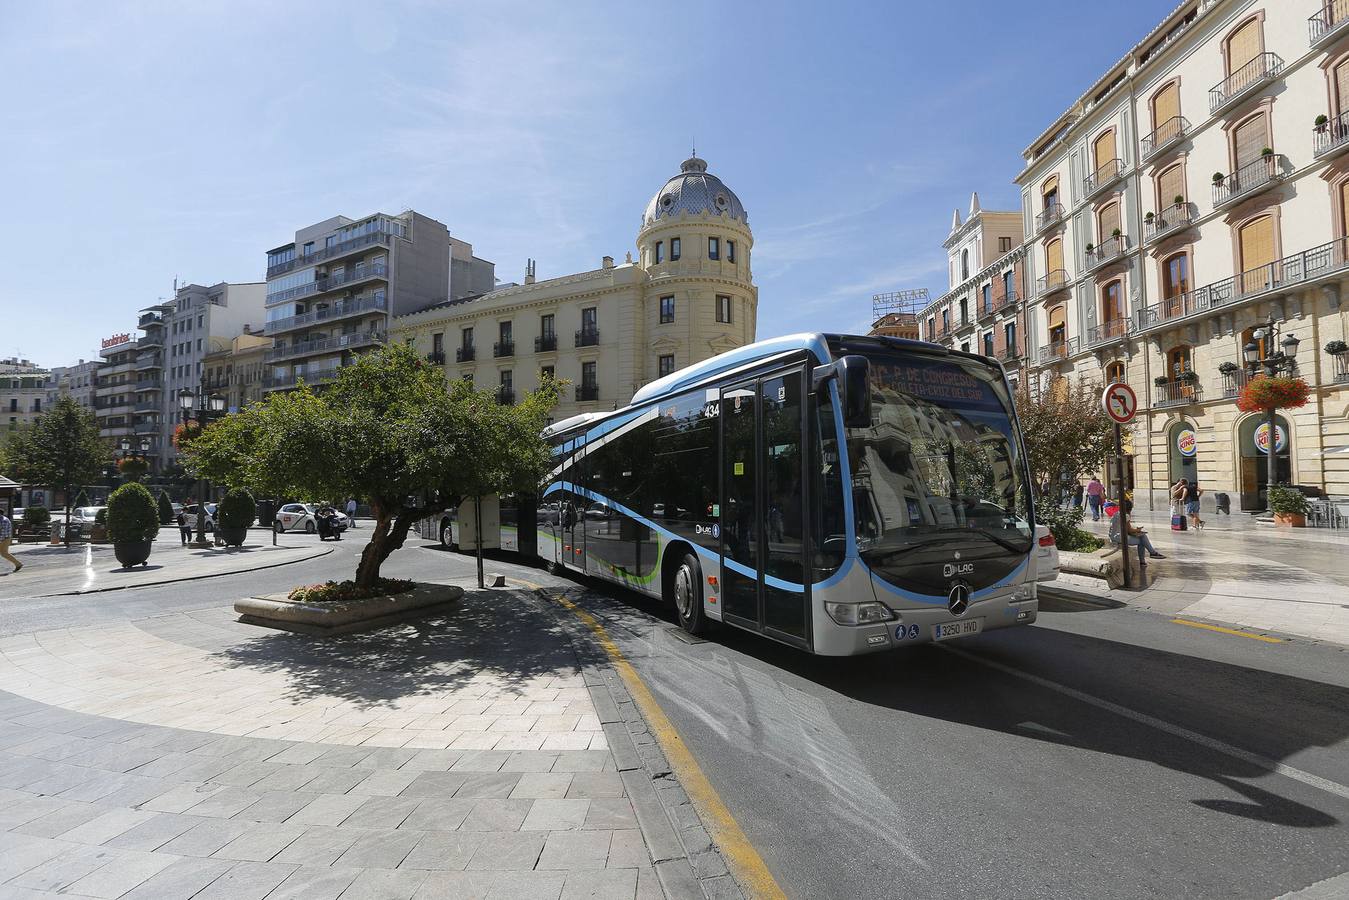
(49, 570)
(1239, 572)
(458, 755)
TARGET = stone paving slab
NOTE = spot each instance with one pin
(242, 764)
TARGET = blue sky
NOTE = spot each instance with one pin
(145, 141)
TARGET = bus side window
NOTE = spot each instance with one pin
(829, 536)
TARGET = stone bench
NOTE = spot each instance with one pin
(279, 611)
(1103, 564)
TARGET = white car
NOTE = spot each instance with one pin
(190, 516)
(300, 517)
(1046, 559)
(84, 515)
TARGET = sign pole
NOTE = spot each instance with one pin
(1123, 516)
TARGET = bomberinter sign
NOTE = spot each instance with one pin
(116, 339)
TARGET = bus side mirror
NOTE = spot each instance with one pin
(854, 388)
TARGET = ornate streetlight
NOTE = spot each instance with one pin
(205, 409)
(1261, 356)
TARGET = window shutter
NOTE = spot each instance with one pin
(1056, 317)
(1051, 185)
(1344, 208)
(1109, 220)
(1170, 184)
(1243, 46)
(1104, 149)
(1166, 106)
(1053, 256)
(1342, 87)
(1250, 140)
(1257, 243)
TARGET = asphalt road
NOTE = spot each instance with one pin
(1099, 753)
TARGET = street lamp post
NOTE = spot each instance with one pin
(205, 409)
(1261, 355)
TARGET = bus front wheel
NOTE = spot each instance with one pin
(687, 590)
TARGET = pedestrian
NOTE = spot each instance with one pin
(6, 535)
(351, 511)
(1095, 496)
(1191, 496)
(1078, 491)
(1138, 537)
(184, 528)
(1177, 496)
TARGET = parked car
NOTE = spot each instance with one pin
(16, 514)
(85, 515)
(300, 517)
(190, 514)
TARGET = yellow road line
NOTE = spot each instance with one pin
(1246, 634)
(744, 860)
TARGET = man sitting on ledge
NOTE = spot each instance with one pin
(1137, 536)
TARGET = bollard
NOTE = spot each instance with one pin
(496, 580)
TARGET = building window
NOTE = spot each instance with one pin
(730, 251)
(988, 343)
(674, 249)
(660, 252)
(723, 308)
(589, 319)
(964, 264)
(964, 310)
(964, 346)
(1007, 290)
(713, 248)
(665, 364)
(438, 342)
(588, 377)
(945, 321)
(504, 329)
(1050, 193)
(931, 328)
(988, 297)
(1004, 245)
(466, 338)
(1114, 373)
(667, 309)
(1245, 44)
(1009, 338)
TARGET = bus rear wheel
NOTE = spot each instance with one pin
(686, 588)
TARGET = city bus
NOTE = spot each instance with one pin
(842, 494)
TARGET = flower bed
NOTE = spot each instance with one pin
(347, 591)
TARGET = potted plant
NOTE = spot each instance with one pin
(1116, 233)
(235, 514)
(1187, 377)
(1321, 121)
(1228, 367)
(1161, 381)
(1267, 152)
(1091, 247)
(1218, 177)
(1148, 218)
(1289, 506)
(1335, 348)
(133, 522)
(1179, 200)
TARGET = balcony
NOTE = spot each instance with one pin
(148, 319)
(505, 395)
(1009, 354)
(331, 282)
(1045, 285)
(1339, 368)
(292, 379)
(1328, 23)
(1176, 392)
(336, 250)
(1102, 178)
(941, 333)
(324, 345)
(1171, 220)
(588, 337)
(503, 348)
(1234, 381)
(545, 344)
(147, 406)
(1330, 138)
(1164, 136)
(587, 392)
(1244, 82)
(1052, 215)
(1001, 302)
(148, 384)
(965, 323)
(1273, 279)
(146, 363)
(1248, 181)
(436, 357)
(339, 310)
(466, 354)
(1058, 351)
(1108, 332)
(1111, 250)
(150, 342)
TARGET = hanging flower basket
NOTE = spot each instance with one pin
(132, 467)
(1265, 393)
(186, 431)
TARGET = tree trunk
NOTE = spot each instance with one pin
(389, 534)
(477, 537)
(68, 501)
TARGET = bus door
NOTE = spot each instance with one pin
(763, 506)
(565, 520)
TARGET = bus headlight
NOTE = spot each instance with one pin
(858, 613)
(1024, 592)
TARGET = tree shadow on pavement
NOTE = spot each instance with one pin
(503, 635)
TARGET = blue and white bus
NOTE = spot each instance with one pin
(841, 494)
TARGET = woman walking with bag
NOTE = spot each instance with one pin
(1178, 504)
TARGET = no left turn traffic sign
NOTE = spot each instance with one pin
(1119, 402)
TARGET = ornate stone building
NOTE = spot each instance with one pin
(688, 296)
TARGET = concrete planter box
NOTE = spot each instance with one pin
(1104, 564)
(277, 611)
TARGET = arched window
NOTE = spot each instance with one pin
(1178, 361)
(1165, 107)
(1114, 372)
(1243, 45)
(1176, 284)
(1112, 308)
(964, 264)
(1170, 185)
(1107, 221)
(1058, 329)
(1249, 139)
(1053, 256)
(1256, 240)
(1050, 192)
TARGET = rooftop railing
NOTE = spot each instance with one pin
(1243, 81)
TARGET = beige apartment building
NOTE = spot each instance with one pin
(689, 295)
(23, 391)
(1197, 189)
(982, 311)
(238, 372)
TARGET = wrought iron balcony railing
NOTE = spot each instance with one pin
(545, 343)
(338, 310)
(465, 354)
(1052, 215)
(1047, 284)
(1328, 22)
(1109, 250)
(503, 348)
(1176, 392)
(1234, 381)
(1108, 332)
(1056, 351)
(1165, 135)
(1168, 221)
(1250, 179)
(1332, 136)
(1339, 368)
(587, 337)
(586, 392)
(505, 395)
(1001, 302)
(436, 357)
(1104, 176)
(1244, 81)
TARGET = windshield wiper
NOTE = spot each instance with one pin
(1001, 542)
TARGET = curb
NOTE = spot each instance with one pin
(1079, 597)
(687, 862)
(128, 587)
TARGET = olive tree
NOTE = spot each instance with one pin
(387, 429)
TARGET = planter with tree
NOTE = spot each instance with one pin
(1115, 234)
(1161, 381)
(236, 514)
(133, 522)
(1091, 248)
(1149, 217)
(1267, 152)
(1289, 506)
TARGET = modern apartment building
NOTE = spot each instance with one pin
(610, 330)
(238, 372)
(983, 310)
(118, 398)
(332, 290)
(1199, 188)
(23, 392)
(77, 382)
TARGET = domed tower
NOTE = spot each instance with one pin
(695, 246)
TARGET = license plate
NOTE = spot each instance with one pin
(948, 630)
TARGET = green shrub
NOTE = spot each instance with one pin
(1287, 501)
(334, 592)
(1063, 522)
(36, 516)
(132, 514)
(81, 499)
(165, 509)
(101, 517)
(237, 510)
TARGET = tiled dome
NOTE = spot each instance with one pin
(695, 191)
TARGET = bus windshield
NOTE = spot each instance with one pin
(941, 461)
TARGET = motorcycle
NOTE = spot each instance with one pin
(328, 526)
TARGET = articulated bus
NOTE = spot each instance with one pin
(841, 494)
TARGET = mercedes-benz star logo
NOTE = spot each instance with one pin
(959, 599)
